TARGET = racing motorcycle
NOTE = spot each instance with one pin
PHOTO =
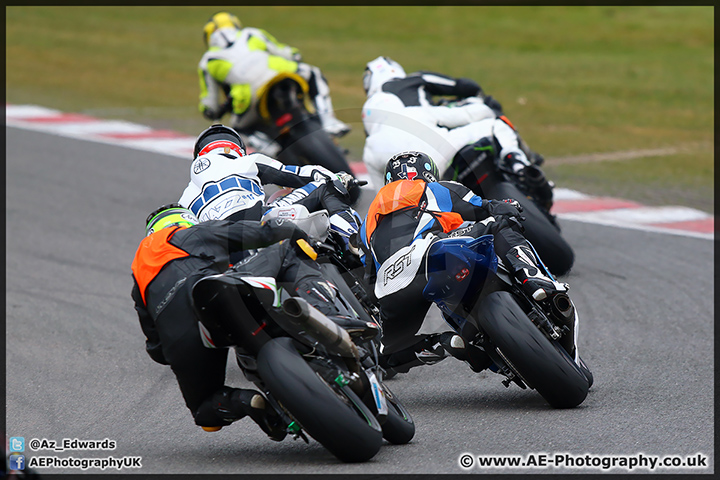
(320, 378)
(478, 167)
(290, 129)
(531, 343)
(483, 173)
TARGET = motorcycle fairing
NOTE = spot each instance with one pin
(456, 269)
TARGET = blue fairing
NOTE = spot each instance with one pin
(457, 269)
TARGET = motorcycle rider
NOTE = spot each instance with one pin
(400, 115)
(177, 251)
(227, 183)
(414, 208)
(239, 62)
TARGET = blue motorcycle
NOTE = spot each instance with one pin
(531, 343)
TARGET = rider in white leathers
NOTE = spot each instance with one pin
(399, 115)
(240, 61)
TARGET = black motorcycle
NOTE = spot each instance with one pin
(478, 167)
(319, 378)
(290, 129)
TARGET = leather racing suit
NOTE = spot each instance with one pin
(401, 115)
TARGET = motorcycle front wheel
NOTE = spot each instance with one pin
(398, 427)
(332, 415)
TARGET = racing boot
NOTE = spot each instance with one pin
(428, 351)
(456, 346)
(539, 187)
(333, 125)
(322, 295)
(532, 180)
(534, 157)
(515, 162)
(320, 92)
(530, 275)
(259, 141)
(228, 405)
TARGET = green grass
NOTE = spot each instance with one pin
(574, 80)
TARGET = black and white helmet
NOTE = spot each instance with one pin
(411, 166)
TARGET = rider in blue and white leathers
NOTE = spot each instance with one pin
(411, 211)
(224, 185)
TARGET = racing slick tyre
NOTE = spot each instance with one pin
(541, 363)
(545, 237)
(332, 415)
(398, 427)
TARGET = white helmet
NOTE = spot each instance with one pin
(379, 71)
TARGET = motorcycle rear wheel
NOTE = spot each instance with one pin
(308, 143)
(553, 249)
(332, 415)
(542, 363)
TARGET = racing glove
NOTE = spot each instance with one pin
(345, 178)
(508, 207)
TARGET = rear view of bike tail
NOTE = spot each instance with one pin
(286, 107)
(307, 366)
(531, 343)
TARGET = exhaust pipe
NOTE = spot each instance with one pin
(564, 311)
(562, 306)
(331, 335)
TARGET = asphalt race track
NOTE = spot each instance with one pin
(76, 366)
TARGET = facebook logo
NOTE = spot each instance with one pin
(17, 462)
(17, 444)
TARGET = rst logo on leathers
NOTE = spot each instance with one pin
(397, 268)
(398, 271)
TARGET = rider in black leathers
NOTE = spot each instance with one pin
(176, 253)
